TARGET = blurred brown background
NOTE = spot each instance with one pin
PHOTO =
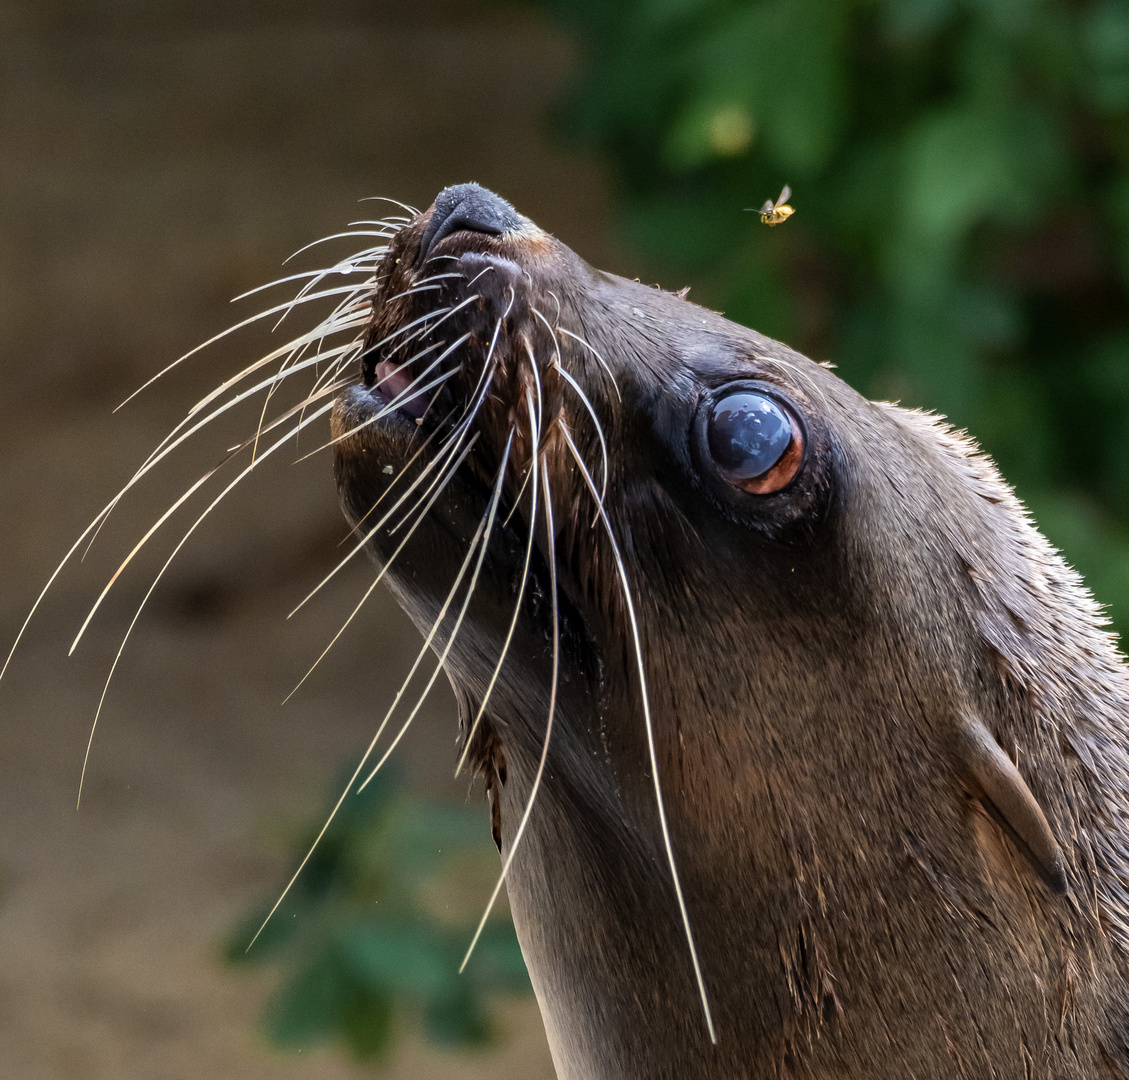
(155, 160)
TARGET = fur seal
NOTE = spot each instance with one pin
(808, 754)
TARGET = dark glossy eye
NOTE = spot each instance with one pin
(755, 442)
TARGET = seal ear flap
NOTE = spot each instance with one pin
(1005, 795)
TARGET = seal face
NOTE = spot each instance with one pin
(806, 751)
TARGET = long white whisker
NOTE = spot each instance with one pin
(599, 431)
(225, 333)
(559, 366)
(384, 569)
(395, 202)
(101, 516)
(121, 649)
(408, 393)
(449, 446)
(355, 530)
(648, 727)
(404, 685)
(179, 502)
(513, 624)
(518, 497)
(344, 268)
(426, 285)
(520, 832)
(166, 447)
(445, 312)
(335, 236)
(464, 422)
(92, 528)
(440, 664)
(447, 450)
(603, 362)
(355, 292)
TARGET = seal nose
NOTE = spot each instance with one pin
(470, 207)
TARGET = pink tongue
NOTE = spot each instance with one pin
(392, 381)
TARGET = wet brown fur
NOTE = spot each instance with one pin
(815, 659)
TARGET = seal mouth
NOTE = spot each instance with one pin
(426, 306)
(394, 387)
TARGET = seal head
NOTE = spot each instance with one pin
(782, 702)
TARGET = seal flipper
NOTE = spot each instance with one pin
(1007, 798)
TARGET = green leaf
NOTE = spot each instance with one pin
(1105, 40)
(399, 958)
(365, 1023)
(308, 1008)
(967, 163)
(291, 919)
(457, 1020)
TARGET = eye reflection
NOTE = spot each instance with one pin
(755, 442)
(748, 434)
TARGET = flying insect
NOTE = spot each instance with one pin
(775, 213)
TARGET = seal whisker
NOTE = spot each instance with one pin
(335, 366)
(160, 573)
(552, 335)
(478, 394)
(486, 375)
(551, 558)
(648, 726)
(518, 497)
(388, 223)
(231, 330)
(343, 268)
(397, 478)
(440, 665)
(599, 432)
(473, 730)
(162, 447)
(481, 273)
(446, 313)
(488, 522)
(406, 394)
(422, 331)
(328, 391)
(99, 519)
(327, 239)
(536, 373)
(395, 202)
(559, 368)
(364, 262)
(465, 421)
(446, 450)
(431, 403)
(419, 286)
(330, 377)
(603, 362)
(384, 569)
(287, 365)
(101, 516)
(453, 441)
(166, 447)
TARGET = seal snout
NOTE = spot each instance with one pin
(469, 208)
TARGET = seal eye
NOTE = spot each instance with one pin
(755, 442)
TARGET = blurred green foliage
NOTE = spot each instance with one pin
(375, 928)
(960, 172)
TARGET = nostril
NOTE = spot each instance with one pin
(469, 207)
